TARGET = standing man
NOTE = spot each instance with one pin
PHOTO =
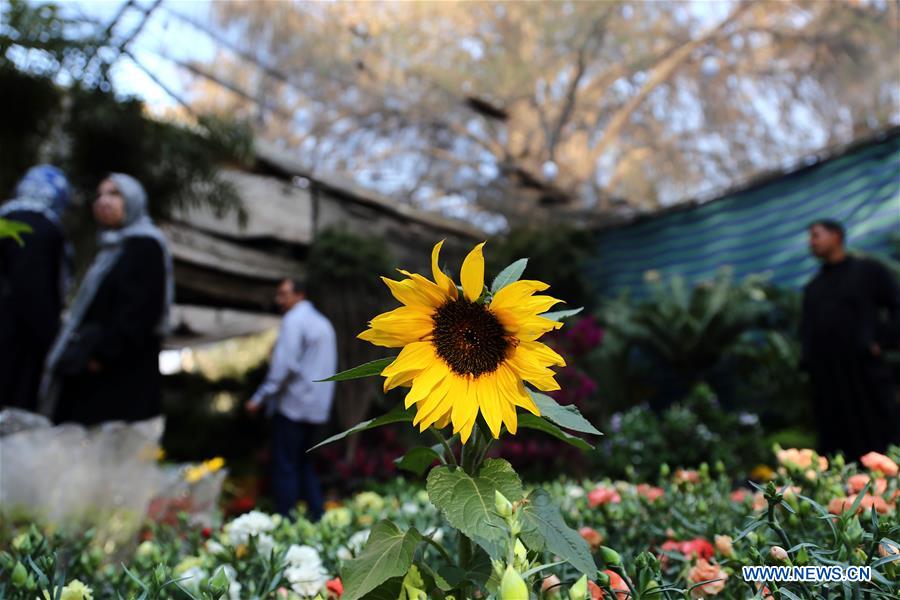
(851, 316)
(304, 353)
(33, 278)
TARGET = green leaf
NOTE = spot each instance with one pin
(529, 421)
(418, 460)
(13, 229)
(565, 416)
(509, 275)
(387, 554)
(468, 502)
(558, 315)
(544, 527)
(368, 369)
(389, 590)
(398, 415)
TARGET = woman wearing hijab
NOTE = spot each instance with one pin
(104, 366)
(32, 283)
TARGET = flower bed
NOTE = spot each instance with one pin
(688, 532)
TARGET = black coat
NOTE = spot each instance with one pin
(29, 307)
(118, 332)
(848, 307)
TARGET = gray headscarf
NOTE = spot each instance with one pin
(136, 223)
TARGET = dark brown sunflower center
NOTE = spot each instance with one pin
(469, 338)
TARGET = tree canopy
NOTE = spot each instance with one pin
(569, 108)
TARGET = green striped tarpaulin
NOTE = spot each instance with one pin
(761, 229)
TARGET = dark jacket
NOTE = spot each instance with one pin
(30, 302)
(118, 332)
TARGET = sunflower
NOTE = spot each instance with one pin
(465, 353)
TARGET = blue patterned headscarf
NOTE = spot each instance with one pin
(45, 190)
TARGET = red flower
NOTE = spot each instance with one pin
(616, 584)
(591, 536)
(335, 587)
(603, 495)
(698, 548)
(206, 533)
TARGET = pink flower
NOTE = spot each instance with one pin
(739, 495)
(591, 536)
(616, 584)
(651, 493)
(706, 571)
(879, 462)
(856, 483)
(725, 546)
(603, 495)
(686, 476)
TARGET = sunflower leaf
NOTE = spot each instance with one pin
(509, 275)
(558, 315)
(419, 459)
(529, 421)
(368, 369)
(387, 554)
(398, 415)
(565, 416)
(543, 527)
(468, 502)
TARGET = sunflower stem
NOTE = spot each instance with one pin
(451, 457)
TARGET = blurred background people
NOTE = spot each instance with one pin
(33, 278)
(304, 354)
(851, 315)
(105, 363)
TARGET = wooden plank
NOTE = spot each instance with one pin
(196, 325)
(192, 245)
(276, 209)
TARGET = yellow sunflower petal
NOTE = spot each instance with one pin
(437, 404)
(466, 429)
(512, 295)
(472, 274)
(380, 338)
(413, 359)
(528, 366)
(411, 323)
(465, 404)
(489, 402)
(415, 292)
(542, 353)
(426, 381)
(440, 278)
(443, 421)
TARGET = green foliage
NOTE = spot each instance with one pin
(690, 330)
(467, 501)
(555, 254)
(688, 433)
(388, 553)
(13, 229)
(545, 528)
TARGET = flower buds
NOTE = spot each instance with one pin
(778, 553)
(504, 507)
(512, 586)
(579, 589)
(610, 557)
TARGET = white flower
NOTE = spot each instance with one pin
(574, 491)
(354, 545)
(302, 555)
(410, 508)
(305, 572)
(251, 524)
(214, 547)
(234, 588)
(307, 580)
(192, 577)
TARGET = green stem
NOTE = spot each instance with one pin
(773, 524)
(440, 549)
(447, 450)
